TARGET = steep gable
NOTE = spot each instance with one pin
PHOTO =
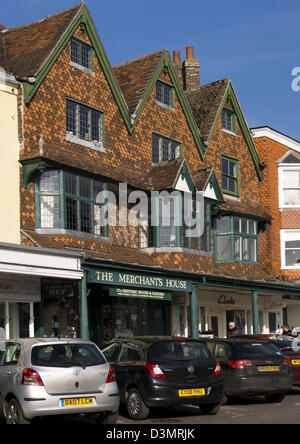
(208, 102)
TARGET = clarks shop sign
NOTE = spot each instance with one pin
(138, 280)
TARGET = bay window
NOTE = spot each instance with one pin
(70, 201)
(235, 239)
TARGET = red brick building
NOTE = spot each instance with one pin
(85, 129)
(280, 194)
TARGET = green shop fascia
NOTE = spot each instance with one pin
(121, 301)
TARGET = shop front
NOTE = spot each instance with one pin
(129, 304)
(31, 302)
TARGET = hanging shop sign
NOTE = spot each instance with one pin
(141, 294)
(138, 280)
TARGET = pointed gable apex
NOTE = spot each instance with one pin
(206, 181)
(289, 158)
(138, 77)
(207, 104)
(46, 39)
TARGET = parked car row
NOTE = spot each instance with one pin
(45, 377)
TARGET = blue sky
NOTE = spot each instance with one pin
(254, 43)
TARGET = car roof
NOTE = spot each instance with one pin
(148, 340)
(237, 340)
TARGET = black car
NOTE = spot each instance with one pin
(252, 367)
(163, 372)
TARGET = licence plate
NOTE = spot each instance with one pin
(295, 361)
(76, 402)
(192, 392)
(268, 368)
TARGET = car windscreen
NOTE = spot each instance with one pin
(287, 346)
(246, 350)
(178, 351)
(66, 355)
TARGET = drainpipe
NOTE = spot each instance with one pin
(255, 313)
(194, 313)
(84, 318)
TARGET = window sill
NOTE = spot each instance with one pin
(291, 268)
(71, 233)
(97, 146)
(218, 261)
(171, 108)
(175, 250)
(229, 132)
(83, 68)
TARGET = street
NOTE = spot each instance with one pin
(253, 410)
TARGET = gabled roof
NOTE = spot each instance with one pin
(26, 48)
(135, 76)
(164, 175)
(289, 157)
(207, 103)
(205, 178)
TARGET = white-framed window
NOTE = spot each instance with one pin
(289, 186)
(290, 249)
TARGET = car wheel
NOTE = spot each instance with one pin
(210, 409)
(136, 407)
(14, 414)
(275, 398)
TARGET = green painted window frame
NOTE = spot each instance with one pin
(245, 237)
(63, 196)
(228, 176)
(228, 114)
(81, 44)
(154, 234)
(161, 140)
(164, 86)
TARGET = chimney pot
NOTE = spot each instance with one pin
(190, 53)
(176, 57)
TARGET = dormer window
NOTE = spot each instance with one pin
(81, 54)
(165, 94)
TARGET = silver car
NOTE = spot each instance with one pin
(44, 377)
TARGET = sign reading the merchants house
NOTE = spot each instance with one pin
(139, 280)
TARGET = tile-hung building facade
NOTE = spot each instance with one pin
(21, 268)
(281, 198)
(94, 138)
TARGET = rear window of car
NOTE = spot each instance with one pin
(178, 351)
(66, 355)
(258, 349)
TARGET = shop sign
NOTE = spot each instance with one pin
(17, 289)
(139, 280)
(141, 294)
(226, 300)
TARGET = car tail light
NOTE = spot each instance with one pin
(218, 370)
(31, 377)
(154, 371)
(240, 364)
(111, 376)
(287, 362)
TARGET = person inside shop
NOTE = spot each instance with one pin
(232, 330)
(286, 331)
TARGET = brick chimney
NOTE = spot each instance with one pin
(177, 65)
(190, 71)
